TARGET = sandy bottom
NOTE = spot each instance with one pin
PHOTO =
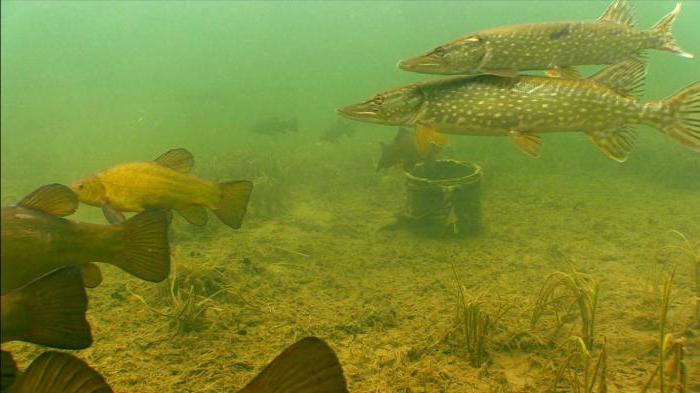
(386, 301)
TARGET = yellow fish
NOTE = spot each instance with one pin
(164, 184)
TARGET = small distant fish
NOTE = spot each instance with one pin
(59, 372)
(405, 151)
(37, 240)
(275, 125)
(602, 106)
(307, 366)
(164, 184)
(48, 311)
(553, 46)
(337, 130)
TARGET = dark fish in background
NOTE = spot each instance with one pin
(48, 311)
(553, 46)
(164, 184)
(275, 125)
(604, 107)
(307, 366)
(59, 372)
(36, 240)
(404, 151)
(338, 129)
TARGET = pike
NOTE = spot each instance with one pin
(553, 46)
(602, 106)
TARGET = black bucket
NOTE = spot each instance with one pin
(444, 198)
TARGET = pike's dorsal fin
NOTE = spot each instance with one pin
(615, 144)
(179, 160)
(54, 199)
(620, 11)
(626, 78)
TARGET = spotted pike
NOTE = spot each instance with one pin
(602, 106)
(554, 46)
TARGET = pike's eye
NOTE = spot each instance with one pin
(80, 187)
(378, 100)
(439, 51)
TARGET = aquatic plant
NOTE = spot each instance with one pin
(473, 325)
(185, 305)
(560, 294)
(674, 372)
(581, 371)
(691, 251)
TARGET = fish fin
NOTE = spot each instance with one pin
(662, 29)
(9, 371)
(179, 160)
(60, 372)
(194, 214)
(55, 305)
(526, 142)
(626, 77)
(685, 106)
(427, 136)
(386, 159)
(234, 202)
(506, 73)
(619, 11)
(565, 72)
(615, 144)
(55, 199)
(307, 366)
(146, 253)
(92, 275)
(112, 215)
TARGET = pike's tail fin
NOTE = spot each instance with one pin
(662, 30)
(685, 109)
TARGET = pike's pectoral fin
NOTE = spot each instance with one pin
(112, 215)
(619, 11)
(526, 142)
(428, 139)
(626, 77)
(566, 72)
(60, 372)
(506, 73)
(55, 199)
(92, 275)
(194, 214)
(615, 144)
(179, 160)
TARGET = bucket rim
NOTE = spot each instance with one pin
(472, 177)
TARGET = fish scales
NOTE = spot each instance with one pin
(489, 105)
(135, 186)
(563, 44)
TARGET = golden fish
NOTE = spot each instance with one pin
(36, 240)
(48, 311)
(602, 106)
(59, 372)
(164, 184)
(405, 151)
(554, 46)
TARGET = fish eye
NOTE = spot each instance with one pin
(440, 51)
(378, 100)
(80, 187)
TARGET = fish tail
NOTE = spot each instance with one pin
(60, 372)
(146, 253)
(662, 31)
(685, 110)
(55, 305)
(309, 366)
(233, 202)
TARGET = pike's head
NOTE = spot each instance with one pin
(89, 190)
(395, 107)
(460, 57)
